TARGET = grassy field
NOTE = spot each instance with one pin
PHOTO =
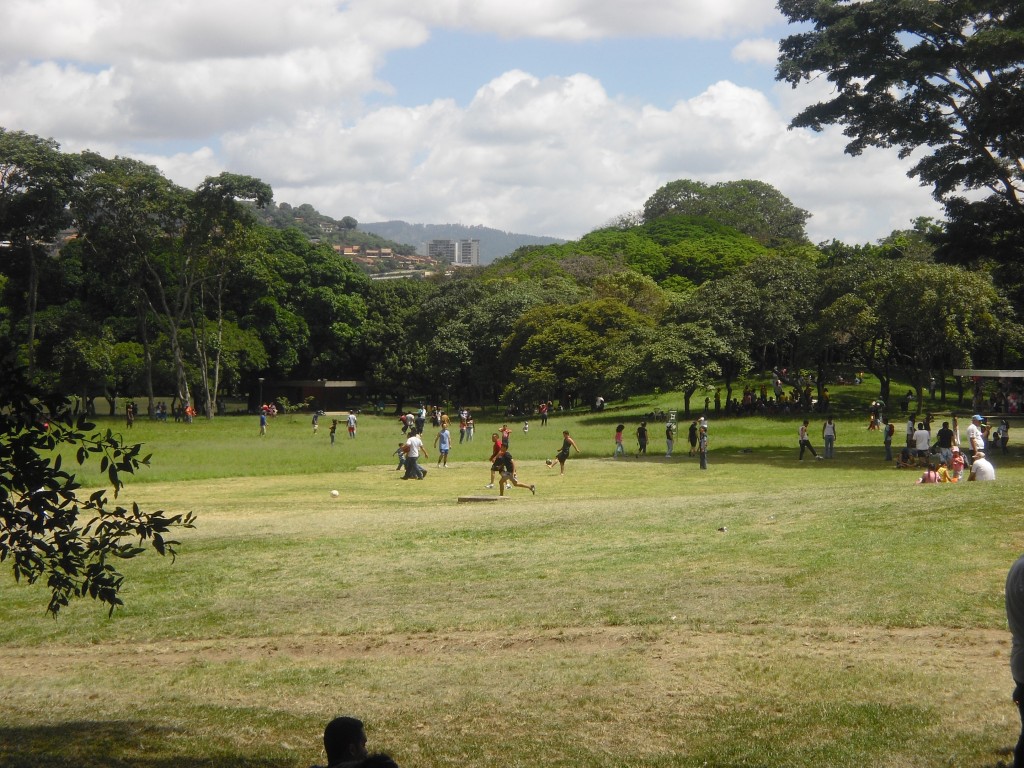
(637, 612)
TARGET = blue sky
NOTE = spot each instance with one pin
(544, 117)
(652, 71)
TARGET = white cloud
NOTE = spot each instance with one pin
(593, 19)
(278, 91)
(759, 51)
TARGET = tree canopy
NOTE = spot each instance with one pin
(912, 74)
(753, 207)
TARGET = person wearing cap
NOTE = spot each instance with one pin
(981, 468)
(976, 435)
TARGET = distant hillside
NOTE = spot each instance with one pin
(494, 243)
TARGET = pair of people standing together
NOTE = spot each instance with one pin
(828, 434)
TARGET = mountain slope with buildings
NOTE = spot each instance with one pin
(494, 243)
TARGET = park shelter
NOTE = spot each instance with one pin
(327, 394)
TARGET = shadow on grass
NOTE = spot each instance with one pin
(110, 744)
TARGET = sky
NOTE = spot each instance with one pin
(540, 117)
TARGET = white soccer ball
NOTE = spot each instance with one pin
(335, 494)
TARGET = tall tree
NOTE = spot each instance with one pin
(219, 228)
(36, 184)
(915, 74)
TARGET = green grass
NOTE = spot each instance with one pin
(844, 617)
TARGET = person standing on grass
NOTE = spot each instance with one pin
(922, 443)
(333, 431)
(443, 443)
(351, 424)
(263, 422)
(692, 437)
(888, 430)
(670, 438)
(702, 446)
(805, 441)
(620, 449)
(828, 434)
(1015, 622)
(944, 439)
(413, 470)
(563, 452)
(641, 439)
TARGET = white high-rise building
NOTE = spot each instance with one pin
(458, 253)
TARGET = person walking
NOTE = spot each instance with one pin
(805, 442)
(414, 449)
(702, 446)
(641, 439)
(443, 443)
(620, 449)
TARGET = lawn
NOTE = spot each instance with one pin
(635, 612)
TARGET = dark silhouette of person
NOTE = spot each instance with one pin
(345, 744)
(1015, 622)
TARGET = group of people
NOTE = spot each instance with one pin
(697, 436)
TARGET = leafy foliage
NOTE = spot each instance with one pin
(915, 73)
(48, 531)
(755, 208)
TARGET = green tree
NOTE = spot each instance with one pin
(37, 181)
(755, 208)
(130, 218)
(49, 531)
(666, 357)
(911, 74)
(218, 229)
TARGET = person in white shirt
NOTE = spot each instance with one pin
(975, 435)
(981, 468)
(922, 441)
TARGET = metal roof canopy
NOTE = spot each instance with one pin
(987, 373)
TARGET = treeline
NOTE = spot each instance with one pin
(116, 282)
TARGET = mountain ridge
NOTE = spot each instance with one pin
(494, 243)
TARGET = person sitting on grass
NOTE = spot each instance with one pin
(945, 476)
(929, 476)
(905, 460)
(981, 468)
(508, 474)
